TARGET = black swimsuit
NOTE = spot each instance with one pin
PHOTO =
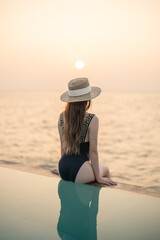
(69, 164)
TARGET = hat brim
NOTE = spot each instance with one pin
(95, 91)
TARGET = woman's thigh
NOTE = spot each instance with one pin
(85, 173)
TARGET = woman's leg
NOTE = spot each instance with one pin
(55, 171)
(104, 171)
(86, 174)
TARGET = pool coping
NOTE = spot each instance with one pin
(121, 186)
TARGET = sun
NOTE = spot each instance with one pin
(79, 64)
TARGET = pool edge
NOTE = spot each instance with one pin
(121, 186)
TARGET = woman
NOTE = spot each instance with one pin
(78, 132)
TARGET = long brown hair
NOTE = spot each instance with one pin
(74, 116)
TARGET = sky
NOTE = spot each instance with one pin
(118, 41)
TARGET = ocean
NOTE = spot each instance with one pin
(128, 139)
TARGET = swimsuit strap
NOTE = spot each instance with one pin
(86, 125)
(61, 120)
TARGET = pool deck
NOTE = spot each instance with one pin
(35, 204)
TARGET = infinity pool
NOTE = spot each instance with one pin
(40, 207)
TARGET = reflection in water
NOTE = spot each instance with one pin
(79, 208)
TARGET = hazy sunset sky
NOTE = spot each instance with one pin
(118, 41)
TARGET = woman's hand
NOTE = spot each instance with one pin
(106, 181)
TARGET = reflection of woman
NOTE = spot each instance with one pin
(78, 214)
(78, 131)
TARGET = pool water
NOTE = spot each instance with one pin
(40, 207)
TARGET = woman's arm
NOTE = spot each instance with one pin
(93, 141)
(93, 153)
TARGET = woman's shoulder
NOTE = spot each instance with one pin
(92, 115)
(61, 115)
(94, 119)
(61, 119)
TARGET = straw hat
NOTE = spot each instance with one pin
(80, 90)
